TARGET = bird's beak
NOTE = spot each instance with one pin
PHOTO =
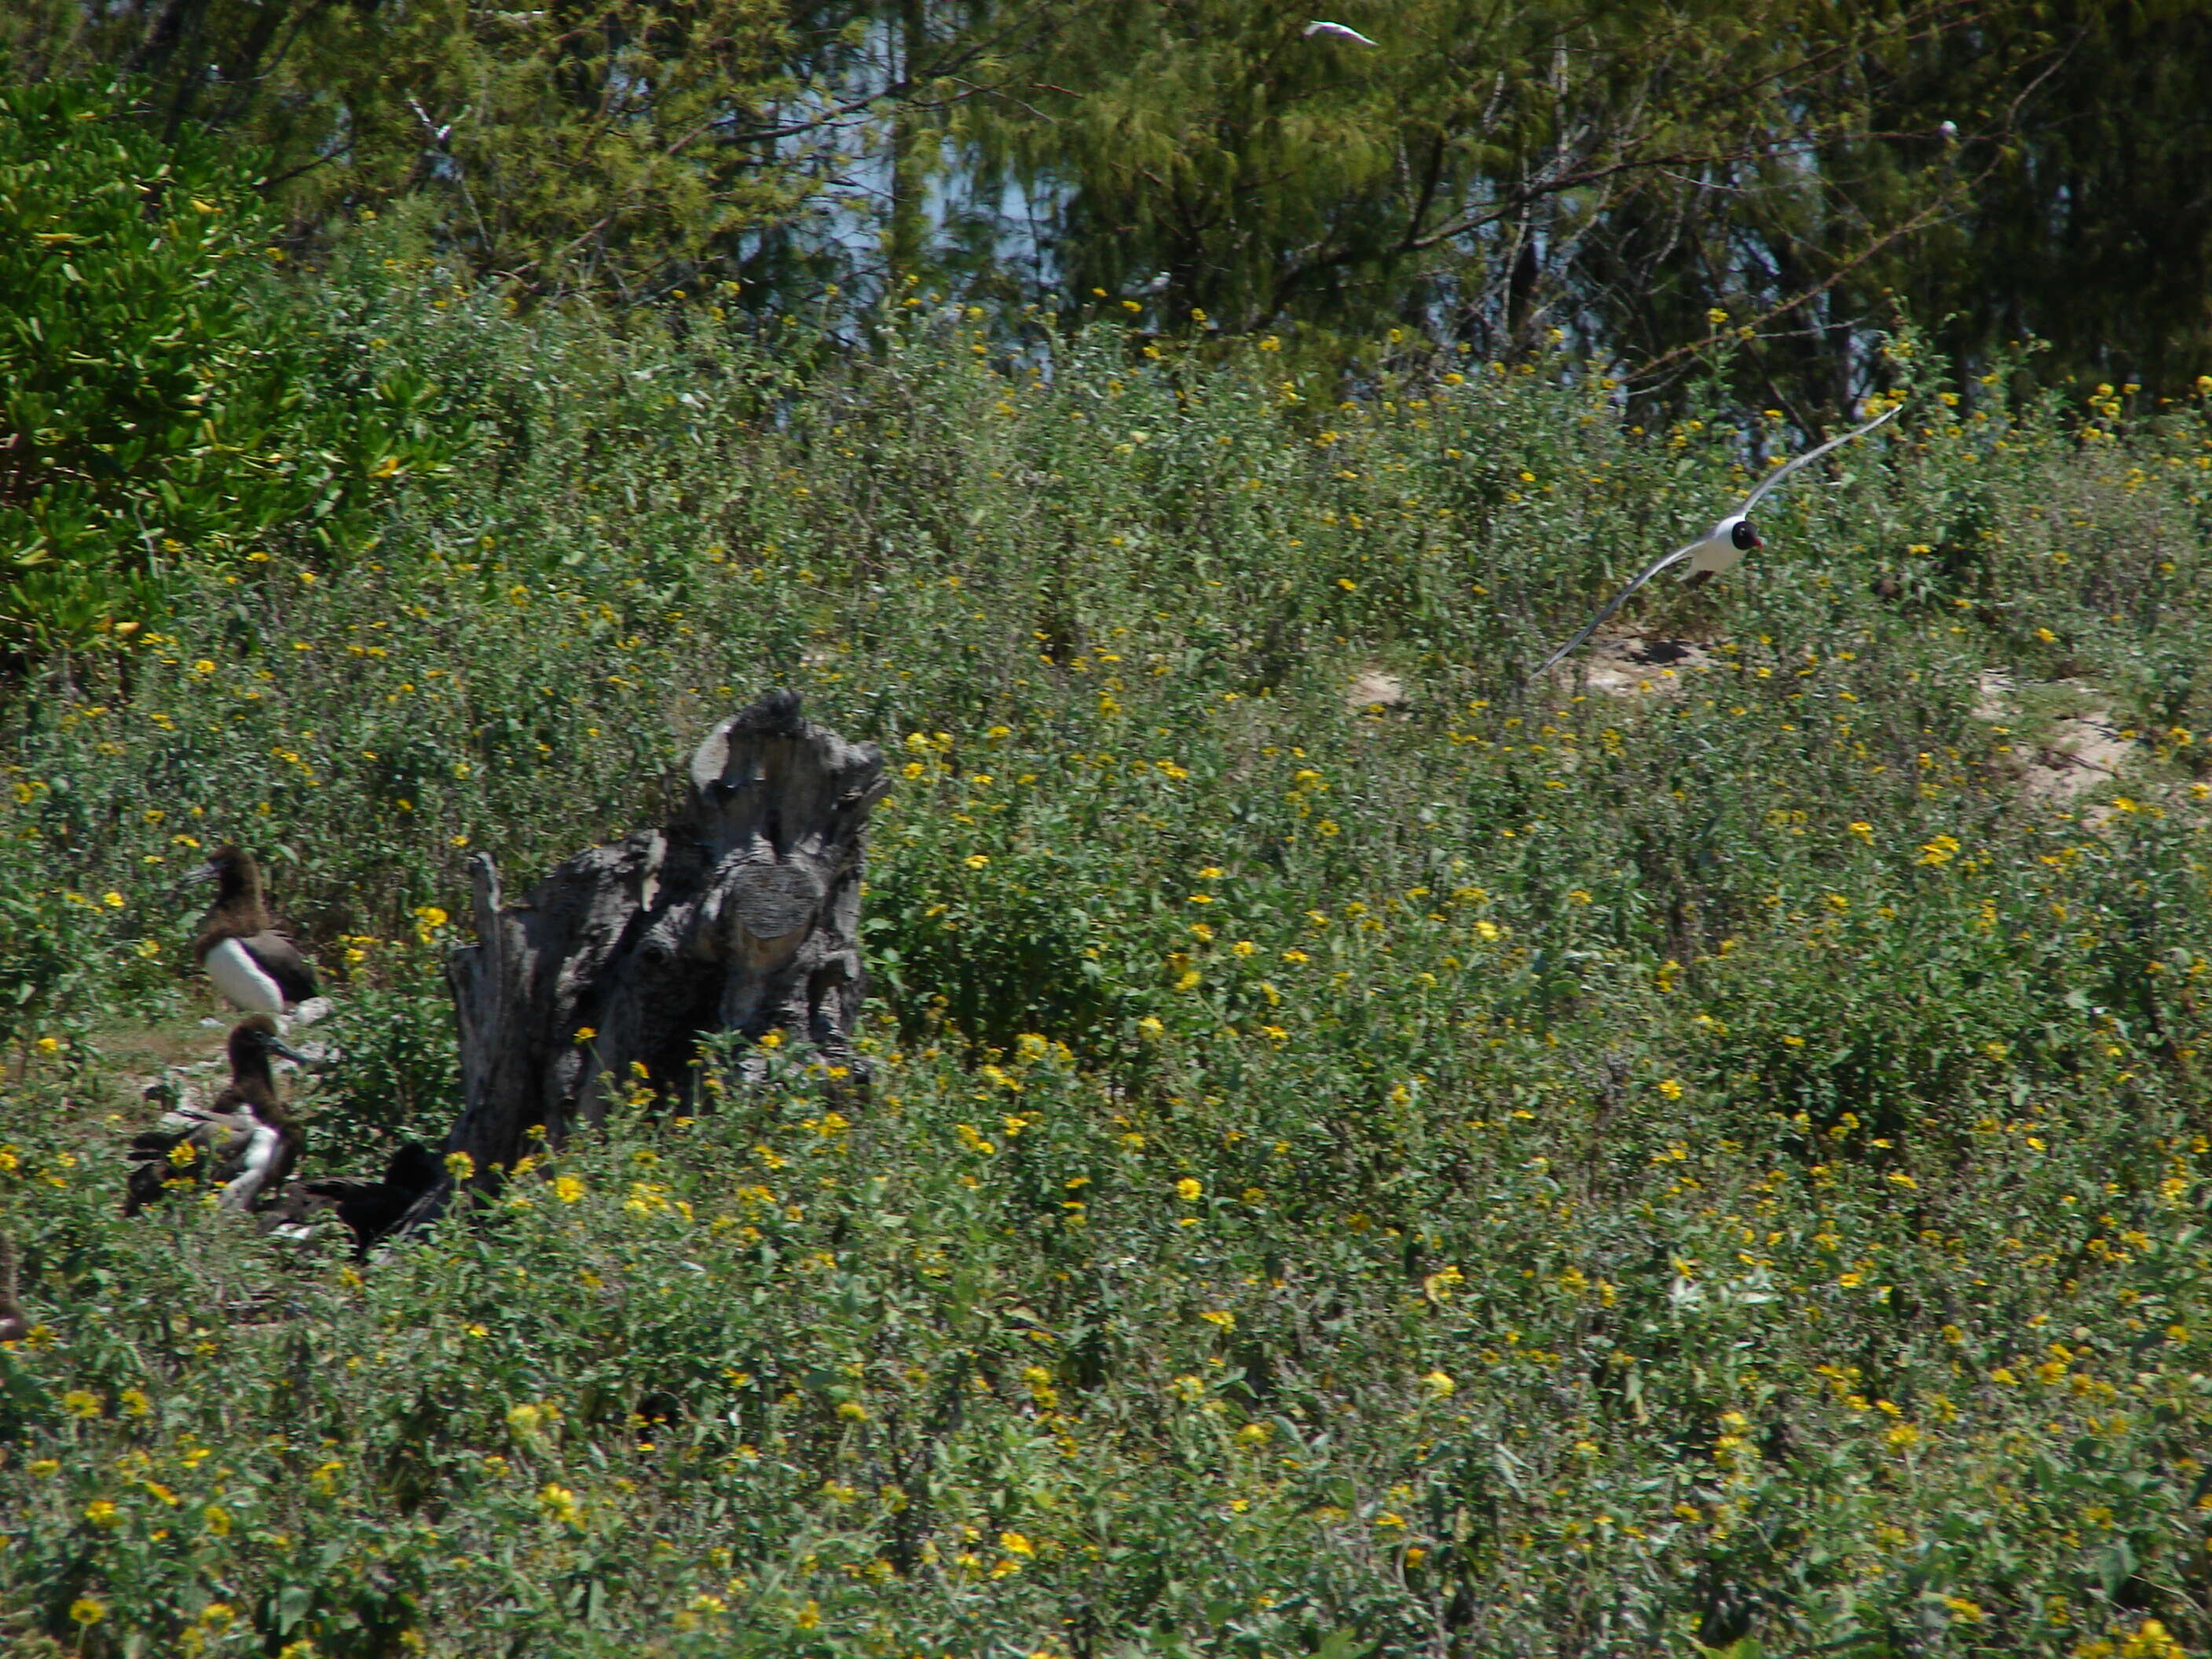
(198, 872)
(278, 1046)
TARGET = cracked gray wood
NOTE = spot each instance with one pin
(741, 914)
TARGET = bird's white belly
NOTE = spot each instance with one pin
(240, 978)
(1713, 557)
(261, 1149)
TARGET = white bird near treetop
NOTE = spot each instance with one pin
(1342, 31)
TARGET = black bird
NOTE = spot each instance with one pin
(250, 962)
(369, 1209)
(243, 1139)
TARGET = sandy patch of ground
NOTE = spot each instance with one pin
(1372, 690)
(2063, 753)
(1637, 665)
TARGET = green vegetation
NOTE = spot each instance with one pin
(1525, 1169)
(160, 408)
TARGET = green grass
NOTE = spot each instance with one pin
(1520, 1172)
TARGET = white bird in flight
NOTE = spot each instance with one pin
(1720, 548)
(1341, 31)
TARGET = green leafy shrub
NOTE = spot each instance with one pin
(165, 404)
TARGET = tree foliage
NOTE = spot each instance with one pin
(158, 399)
(1644, 178)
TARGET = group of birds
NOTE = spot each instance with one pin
(244, 1143)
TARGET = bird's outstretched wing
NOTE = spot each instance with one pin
(1781, 472)
(1621, 599)
(1342, 31)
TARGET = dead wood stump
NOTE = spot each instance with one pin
(741, 914)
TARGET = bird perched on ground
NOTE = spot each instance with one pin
(1341, 31)
(243, 1139)
(14, 1326)
(250, 962)
(1720, 548)
(369, 1209)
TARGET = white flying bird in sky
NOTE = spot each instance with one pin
(1720, 547)
(1341, 31)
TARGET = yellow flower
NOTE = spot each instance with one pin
(460, 1166)
(809, 1616)
(86, 1611)
(975, 860)
(1671, 1089)
(1188, 1190)
(112, 901)
(1439, 1385)
(1938, 852)
(586, 1033)
(101, 1513)
(560, 1503)
(1014, 1544)
(217, 1520)
(569, 1189)
(79, 1403)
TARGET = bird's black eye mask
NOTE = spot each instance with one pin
(1744, 536)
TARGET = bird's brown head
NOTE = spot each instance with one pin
(231, 867)
(253, 1040)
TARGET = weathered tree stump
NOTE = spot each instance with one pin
(741, 914)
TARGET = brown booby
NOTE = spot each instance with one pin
(14, 1326)
(243, 1139)
(250, 962)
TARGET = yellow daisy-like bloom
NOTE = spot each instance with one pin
(568, 1189)
(86, 1611)
(102, 1513)
(1188, 1190)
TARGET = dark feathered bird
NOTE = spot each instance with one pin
(250, 962)
(14, 1328)
(243, 1139)
(369, 1209)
